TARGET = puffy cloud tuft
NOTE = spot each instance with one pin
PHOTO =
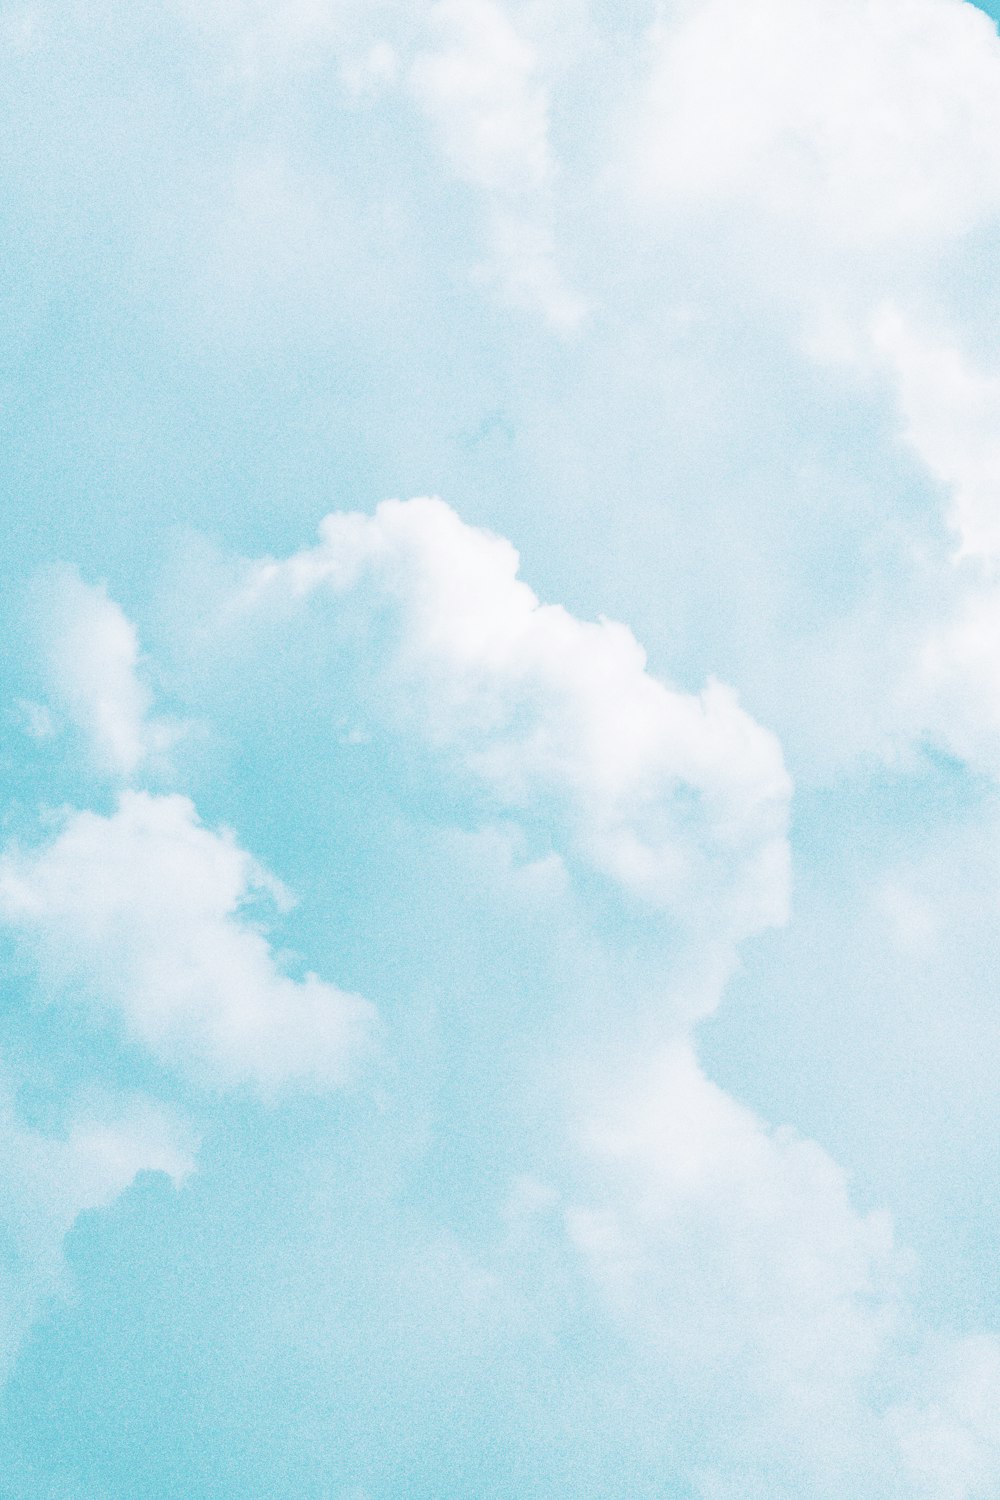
(141, 911)
(680, 798)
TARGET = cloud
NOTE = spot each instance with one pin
(50, 1180)
(141, 912)
(482, 89)
(759, 1309)
(681, 799)
(734, 1256)
(951, 416)
(951, 1438)
(267, 38)
(759, 1303)
(473, 73)
(868, 124)
(757, 1296)
(92, 667)
(525, 250)
(954, 684)
(920, 657)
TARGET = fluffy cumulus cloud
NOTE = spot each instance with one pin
(725, 1257)
(832, 157)
(680, 798)
(758, 1297)
(871, 124)
(142, 912)
(756, 1223)
(749, 1289)
(738, 190)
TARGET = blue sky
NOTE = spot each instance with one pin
(499, 884)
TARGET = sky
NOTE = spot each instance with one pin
(500, 745)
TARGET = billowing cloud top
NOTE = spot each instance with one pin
(679, 798)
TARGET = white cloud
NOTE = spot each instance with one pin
(951, 419)
(681, 798)
(141, 913)
(751, 1291)
(731, 1242)
(49, 1181)
(483, 91)
(936, 638)
(951, 1436)
(869, 123)
(757, 1296)
(730, 1249)
(92, 666)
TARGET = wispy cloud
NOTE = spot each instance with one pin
(483, 90)
(93, 670)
